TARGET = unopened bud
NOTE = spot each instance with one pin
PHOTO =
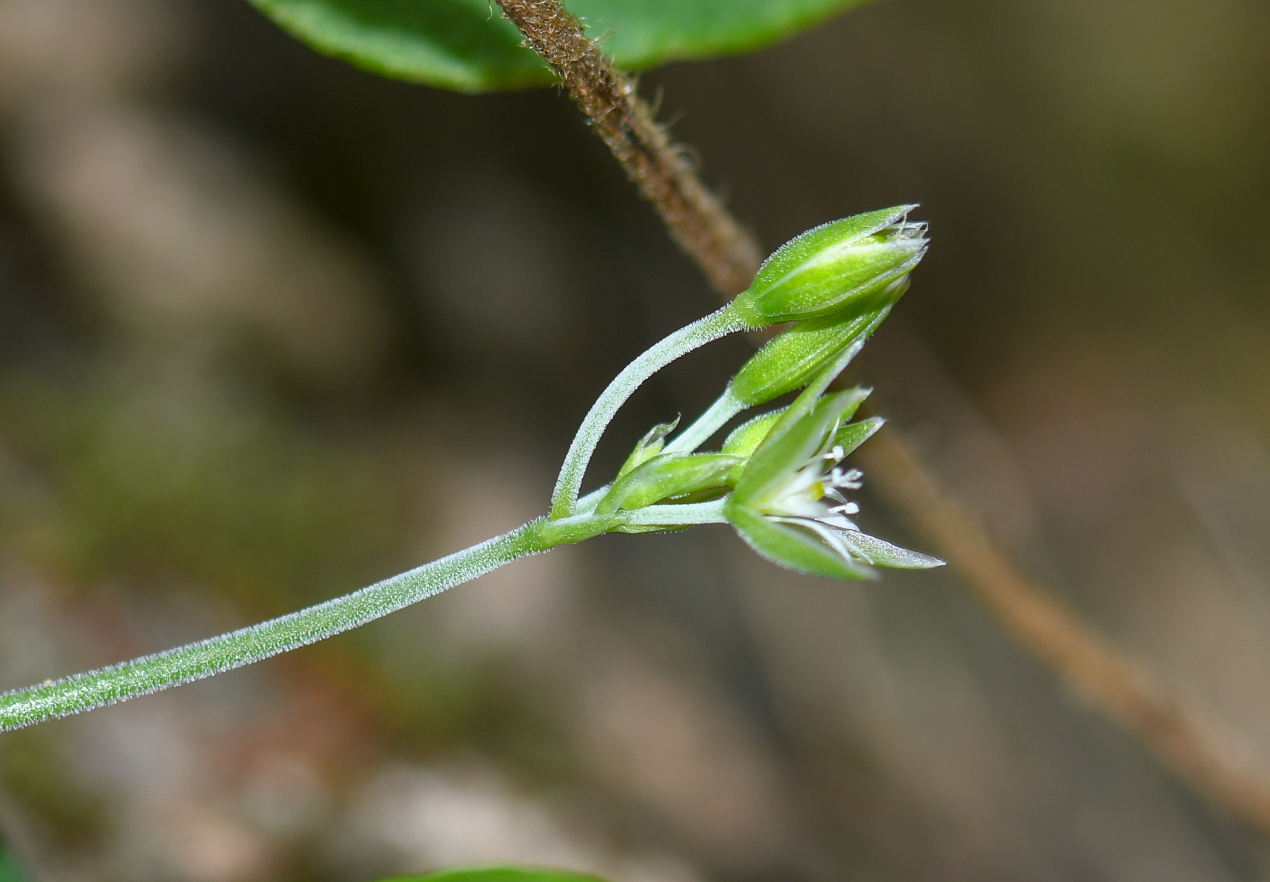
(834, 267)
(668, 476)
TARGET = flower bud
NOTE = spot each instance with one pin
(648, 447)
(668, 476)
(792, 359)
(834, 267)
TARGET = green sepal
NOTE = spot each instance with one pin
(836, 265)
(653, 528)
(879, 552)
(666, 477)
(794, 358)
(809, 399)
(791, 547)
(9, 869)
(648, 447)
(745, 438)
(567, 531)
(792, 442)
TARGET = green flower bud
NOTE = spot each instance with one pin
(668, 476)
(794, 358)
(834, 267)
(648, 447)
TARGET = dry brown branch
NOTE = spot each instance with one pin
(695, 217)
(703, 228)
(1177, 733)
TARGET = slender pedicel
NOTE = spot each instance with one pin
(718, 324)
(195, 661)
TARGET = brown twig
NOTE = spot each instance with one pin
(703, 228)
(696, 219)
(1121, 688)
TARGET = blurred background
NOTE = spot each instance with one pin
(272, 328)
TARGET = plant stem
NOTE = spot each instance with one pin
(724, 408)
(718, 324)
(697, 220)
(677, 515)
(152, 673)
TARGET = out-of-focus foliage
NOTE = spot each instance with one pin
(497, 874)
(171, 475)
(467, 46)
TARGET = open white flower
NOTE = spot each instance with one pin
(791, 503)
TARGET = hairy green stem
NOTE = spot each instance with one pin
(718, 324)
(152, 673)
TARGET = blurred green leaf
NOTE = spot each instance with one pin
(9, 871)
(466, 45)
(498, 874)
(169, 474)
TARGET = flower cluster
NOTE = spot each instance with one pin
(779, 478)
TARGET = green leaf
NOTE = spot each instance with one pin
(498, 874)
(467, 45)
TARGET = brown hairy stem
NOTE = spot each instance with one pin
(704, 229)
(1177, 733)
(695, 217)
